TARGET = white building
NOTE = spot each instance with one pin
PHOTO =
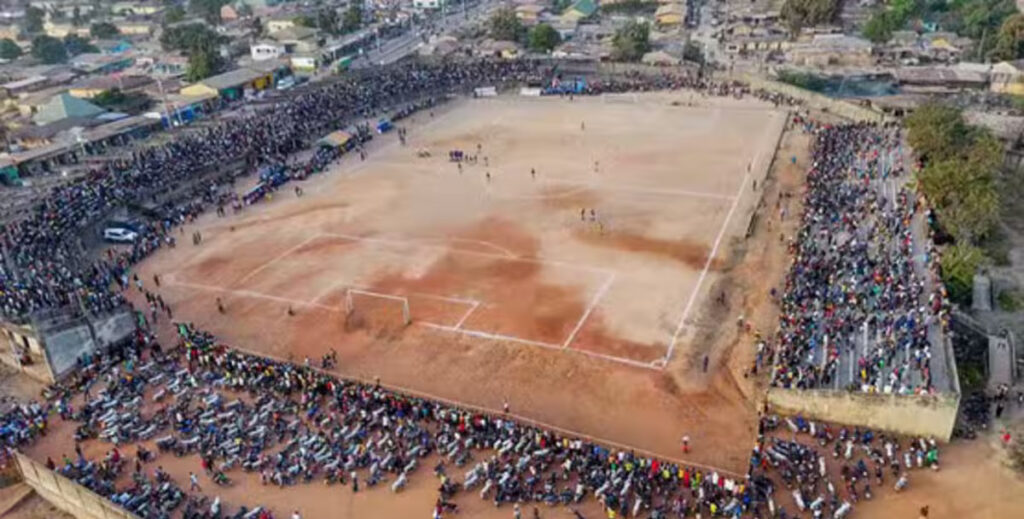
(427, 4)
(264, 50)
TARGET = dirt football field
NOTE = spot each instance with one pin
(566, 266)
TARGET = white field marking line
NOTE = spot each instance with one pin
(493, 336)
(590, 308)
(638, 189)
(711, 255)
(469, 312)
(499, 337)
(556, 196)
(378, 294)
(250, 293)
(413, 242)
(496, 247)
(277, 258)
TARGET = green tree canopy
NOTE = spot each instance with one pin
(504, 25)
(808, 13)
(543, 38)
(961, 166)
(49, 50)
(9, 49)
(208, 10)
(352, 20)
(33, 22)
(116, 100)
(174, 14)
(203, 63)
(631, 41)
(1009, 44)
(190, 36)
(75, 45)
(104, 31)
(958, 265)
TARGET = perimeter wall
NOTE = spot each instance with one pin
(918, 415)
(66, 494)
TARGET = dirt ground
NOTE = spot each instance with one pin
(512, 296)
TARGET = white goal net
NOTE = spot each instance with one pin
(366, 305)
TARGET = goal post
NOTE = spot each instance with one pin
(402, 301)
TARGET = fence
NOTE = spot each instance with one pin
(814, 100)
(66, 494)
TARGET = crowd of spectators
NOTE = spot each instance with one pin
(854, 293)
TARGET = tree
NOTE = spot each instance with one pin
(808, 13)
(631, 41)
(543, 38)
(936, 131)
(33, 23)
(353, 18)
(49, 50)
(118, 101)
(190, 36)
(174, 14)
(104, 31)
(75, 45)
(958, 265)
(1009, 44)
(208, 10)
(504, 25)
(9, 49)
(879, 28)
(202, 63)
(76, 16)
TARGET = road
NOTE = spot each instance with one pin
(411, 40)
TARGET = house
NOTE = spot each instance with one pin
(670, 15)
(230, 85)
(762, 42)
(504, 49)
(136, 8)
(299, 39)
(24, 86)
(113, 46)
(428, 4)
(306, 63)
(228, 13)
(1008, 77)
(529, 14)
(267, 50)
(170, 66)
(943, 77)
(580, 9)
(10, 30)
(97, 63)
(135, 27)
(279, 23)
(60, 30)
(825, 50)
(89, 88)
(65, 106)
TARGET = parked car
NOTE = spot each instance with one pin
(120, 235)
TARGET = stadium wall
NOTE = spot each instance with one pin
(815, 100)
(66, 494)
(919, 415)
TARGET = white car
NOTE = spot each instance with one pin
(120, 235)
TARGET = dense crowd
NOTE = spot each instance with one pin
(231, 412)
(855, 301)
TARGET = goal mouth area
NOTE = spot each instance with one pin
(362, 304)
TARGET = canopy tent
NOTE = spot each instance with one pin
(336, 139)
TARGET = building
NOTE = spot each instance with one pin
(670, 15)
(299, 39)
(428, 4)
(580, 10)
(279, 24)
(24, 86)
(65, 106)
(230, 85)
(1008, 77)
(170, 65)
(136, 8)
(267, 50)
(91, 87)
(529, 14)
(97, 63)
(825, 50)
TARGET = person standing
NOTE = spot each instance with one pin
(193, 482)
(517, 513)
